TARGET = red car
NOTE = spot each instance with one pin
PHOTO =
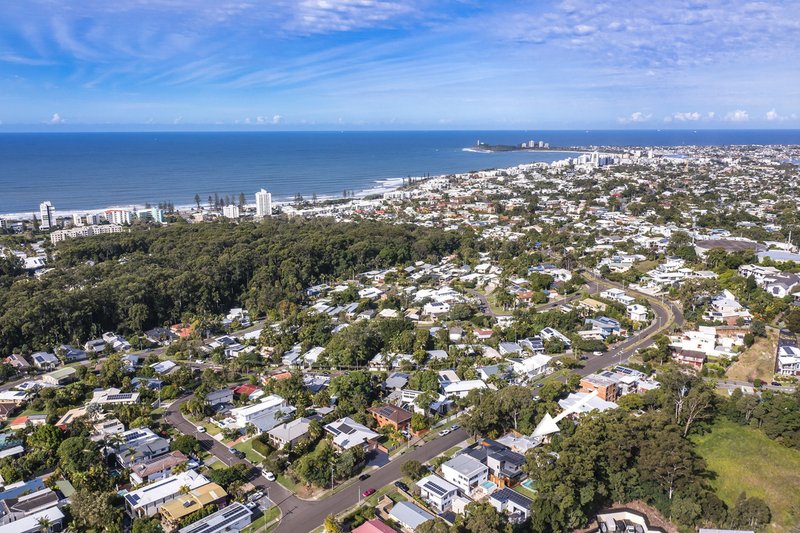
(368, 492)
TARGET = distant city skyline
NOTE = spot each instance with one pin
(384, 64)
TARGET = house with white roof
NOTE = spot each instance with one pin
(265, 415)
(347, 433)
(530, 367)
(146, 500)
(637, 312)
(463, 387)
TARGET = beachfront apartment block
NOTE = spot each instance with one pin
(47, 215)
(231, 211)
(263, 203)
(84, 231)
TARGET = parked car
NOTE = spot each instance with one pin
(255, 496)
(362, 477)
(454, 427)
(597, 353)
(444, 432)
(775, 384)
(368, 492)
(400, 485)
(201, 429)
(269, 475)
(238, 453)
(251, 505)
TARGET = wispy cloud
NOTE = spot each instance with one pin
(635, 118)
(739, 115)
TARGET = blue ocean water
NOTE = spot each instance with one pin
(82, 171)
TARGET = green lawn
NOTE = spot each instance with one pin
(287, 482)
(744, 459)
(258, 524)
(525, 492)
(247, 448)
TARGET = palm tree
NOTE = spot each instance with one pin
(45, 525)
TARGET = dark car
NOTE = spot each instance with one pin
(362, 477)
(368, 492)
(775, 384)
(400, 485)
(238, 454)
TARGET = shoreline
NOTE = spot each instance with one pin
(379, 186)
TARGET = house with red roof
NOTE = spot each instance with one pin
(376, 525)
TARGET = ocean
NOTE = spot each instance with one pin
(90, 171)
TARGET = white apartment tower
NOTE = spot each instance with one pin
(263, 203)
(47, 214)
(230, 211)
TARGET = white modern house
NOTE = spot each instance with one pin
(265, 415)
(465, 472)
(146, 500)
(437, 492)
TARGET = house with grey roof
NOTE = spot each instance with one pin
(437, 492)
(289, 433)
(409, 516)
(511, 502)
(465, 472)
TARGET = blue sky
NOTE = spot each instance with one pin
(393, 64)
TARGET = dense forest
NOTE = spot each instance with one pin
(154, 276)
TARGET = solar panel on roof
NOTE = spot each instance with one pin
(344, 428)
(436, 489)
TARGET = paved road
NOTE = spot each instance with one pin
(730, 384)
(303, 515)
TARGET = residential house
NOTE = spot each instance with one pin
(465, 472)
(158, 468)
(463, 387)
(604, 326)
(18, 362)
(265, 415)
(117, 342)
(347, 433)
(582, 402)
(391, 415)
(175, 510)
(637, 313)
(505, 465)
(146, 500)
(289, 433)
(549, 333)
(376, 525)
(409, 515)
(219, 397)
(45, 360)
(113, 396)
(21, 422)
(606, 387)
(437, 492)
(787, 360)
(161, 335)
(512, 503)
(231, 519)
(60, 377)
(694, 358)
(138, 445)
(530, 367)
(70, 354)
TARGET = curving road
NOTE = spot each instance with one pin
(306, 515)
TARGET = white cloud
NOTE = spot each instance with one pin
(772, 115)
(684, 117)
(56, 119)
(177, 120)
(635, 117)
(740, 115)
(277, 119)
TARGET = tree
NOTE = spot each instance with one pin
(187, 444)
(667, 459)
(197, 200)
(331, 525)
(147, 525)
(93, 510)
(481, 517)
(242, 200)
(432, 526)
(414, 469)
(77, 454)
(752, 513)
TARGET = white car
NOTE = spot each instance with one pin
(444, 432)
(201, 429)
(269, 475)
(597, 353)
(255, 496)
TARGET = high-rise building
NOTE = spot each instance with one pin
(263, 203)
(118, 216)
(47, 214)
(230, 211)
